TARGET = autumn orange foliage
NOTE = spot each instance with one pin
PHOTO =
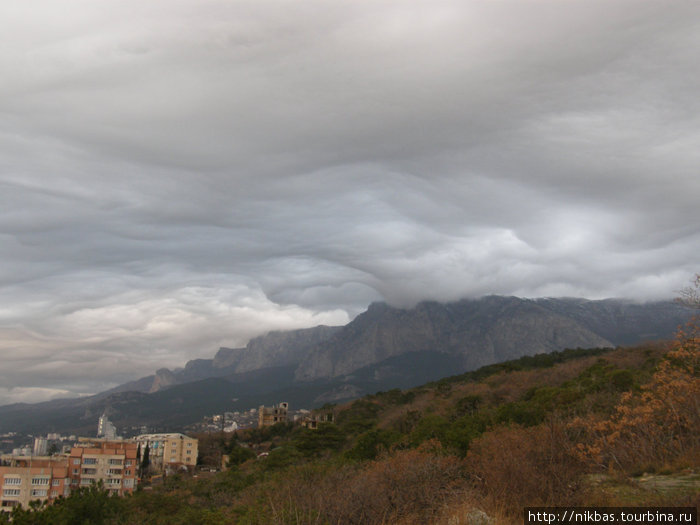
(403, 486)
(659, 425)
(518, 467)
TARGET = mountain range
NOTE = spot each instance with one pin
(382, 348)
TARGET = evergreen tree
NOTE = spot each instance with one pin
(146, 461)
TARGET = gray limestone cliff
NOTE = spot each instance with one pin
(275, 349)
(487, 330)
(163, 378)
(282, 348)
(469, 333)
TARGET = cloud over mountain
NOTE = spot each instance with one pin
(176, 176)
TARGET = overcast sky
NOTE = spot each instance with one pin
(180, 175)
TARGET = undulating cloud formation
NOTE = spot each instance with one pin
(179, 175)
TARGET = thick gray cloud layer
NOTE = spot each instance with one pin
(180, 175)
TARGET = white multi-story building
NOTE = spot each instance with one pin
(105, 428)
(41, 446)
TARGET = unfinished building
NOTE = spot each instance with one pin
(271, 415)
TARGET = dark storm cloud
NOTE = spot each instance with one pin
(176, 176)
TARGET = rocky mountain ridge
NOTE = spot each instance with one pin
(473, 332)
(272, 350)
(477, 332)
(381, 349)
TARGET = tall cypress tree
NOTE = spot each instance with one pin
(146, 461)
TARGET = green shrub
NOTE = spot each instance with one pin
(622, 380)
(430, 426)
(359, 417)
(468, 405)
(238, 455)
(368, 445)
(464, 430)
(327, 437)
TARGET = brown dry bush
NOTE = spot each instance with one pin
(514, 467)
(407, 486)
(659, 426)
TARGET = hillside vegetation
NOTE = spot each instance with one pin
(577, 427)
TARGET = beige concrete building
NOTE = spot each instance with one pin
(26, 479)
(169, 452)
(112, 462)
(275, 414)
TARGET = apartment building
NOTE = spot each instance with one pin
(274, 414)
(112, 462)
(106, 429)
(167, 452)
(41, 446)
(26, 479)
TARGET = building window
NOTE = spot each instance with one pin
(10, 492)
(13, 481)
(40, 481)
(128, 463)
(76, 461)
(56, 482)
(54, 493)
(115, 461)
(115, 471)
(128, 482)
(90, 461)
(38, 493)
(89, 471)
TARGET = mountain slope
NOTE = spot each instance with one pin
(622, 322)
(273, 349)
(477, 332)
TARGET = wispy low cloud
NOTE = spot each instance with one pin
(101, 345)
(10, 396)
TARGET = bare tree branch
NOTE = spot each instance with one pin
(690, 295)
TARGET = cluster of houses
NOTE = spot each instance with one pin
(116, 463)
